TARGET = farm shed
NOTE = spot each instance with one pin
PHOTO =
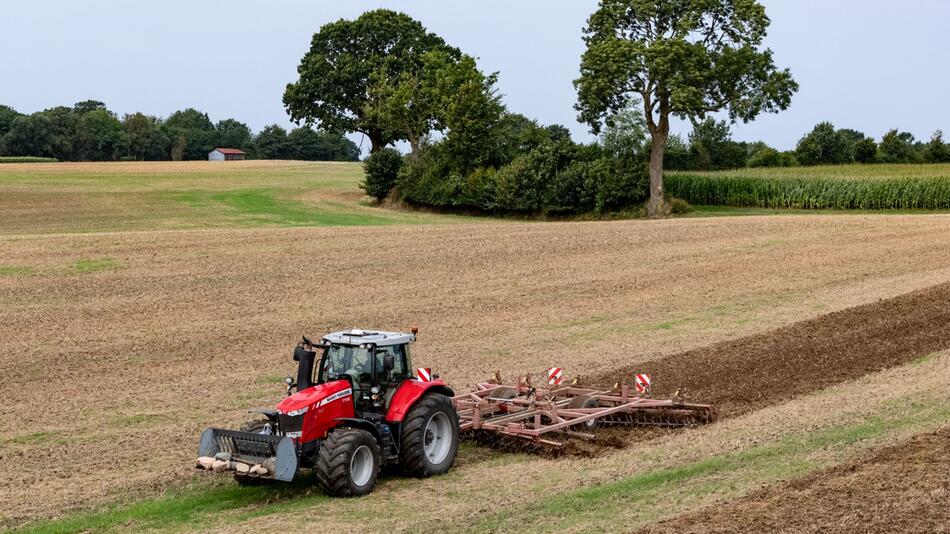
(226, 154)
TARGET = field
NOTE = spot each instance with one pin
(865, 187)
(142, 303)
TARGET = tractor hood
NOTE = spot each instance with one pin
(312, 396)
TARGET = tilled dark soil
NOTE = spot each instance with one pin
(751, 373)
(905, 488)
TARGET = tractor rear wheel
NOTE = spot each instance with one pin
(348, 463)
(430, 437)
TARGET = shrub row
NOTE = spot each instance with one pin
(553, 178)
(764, 192)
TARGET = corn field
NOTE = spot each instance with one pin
(868, 187)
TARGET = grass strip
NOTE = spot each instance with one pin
(641, 499)
(188, 508)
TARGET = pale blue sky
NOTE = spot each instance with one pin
(864, 64)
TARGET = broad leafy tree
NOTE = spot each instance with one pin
(345, 59)
(713, 148)
(29, 135)
(271, 143)
(102, 136)
(937, 151)
(66, 127)
(898, 147)
(865, 151)
(825, 146)
(146, 139)
(311, 145)
(683, 58)
(626, 132)
(7, 115)
(89, 105)
(470, 113)
(192, 134)
(233, 134)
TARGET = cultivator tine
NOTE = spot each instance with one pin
(522, 413)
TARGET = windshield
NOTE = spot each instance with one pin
(349, 360)
(356, 362)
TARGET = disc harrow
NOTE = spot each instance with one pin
(546, 414)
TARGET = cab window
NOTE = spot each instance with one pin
(399, 370)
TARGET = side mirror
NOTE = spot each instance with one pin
(389, 362)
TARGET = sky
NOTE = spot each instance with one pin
(871, 65)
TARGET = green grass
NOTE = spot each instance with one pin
(846, 187)
(106, 197)
(189, 508)
(263, 207)
(95, 265)
(16, 271)
(26, 159)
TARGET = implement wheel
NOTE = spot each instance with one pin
(430, 437)
(582, 402)
(348, 463)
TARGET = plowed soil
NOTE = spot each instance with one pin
(753, 372)
(905, 488)
(118, 349)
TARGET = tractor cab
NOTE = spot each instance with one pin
(375, 364)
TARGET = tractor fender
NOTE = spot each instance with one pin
(362, 424)
(411, 391)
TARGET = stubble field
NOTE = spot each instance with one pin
(129, 325)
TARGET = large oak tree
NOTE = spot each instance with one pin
(345, 61)
(684, 58)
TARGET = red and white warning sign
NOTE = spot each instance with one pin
(554, 376)
(424, 374)
(642, 383)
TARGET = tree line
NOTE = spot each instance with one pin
(385, 75)
(710, 147)
(89, 131)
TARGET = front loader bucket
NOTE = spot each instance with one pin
(276, 454)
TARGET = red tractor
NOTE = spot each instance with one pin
(361, 408)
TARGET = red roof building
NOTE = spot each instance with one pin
(226, 154)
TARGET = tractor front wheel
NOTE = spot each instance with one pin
(348, 463)
(430, 437)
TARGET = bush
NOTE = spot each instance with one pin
(769, 157)
(382, 169)
(554, 177)
(679, 206)
(865, 151)
(766, 157)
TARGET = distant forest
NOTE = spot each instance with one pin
(88, 131)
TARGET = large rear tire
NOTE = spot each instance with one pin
(430, 437)
(348, 463)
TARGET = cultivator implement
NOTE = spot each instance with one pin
(541, 415)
